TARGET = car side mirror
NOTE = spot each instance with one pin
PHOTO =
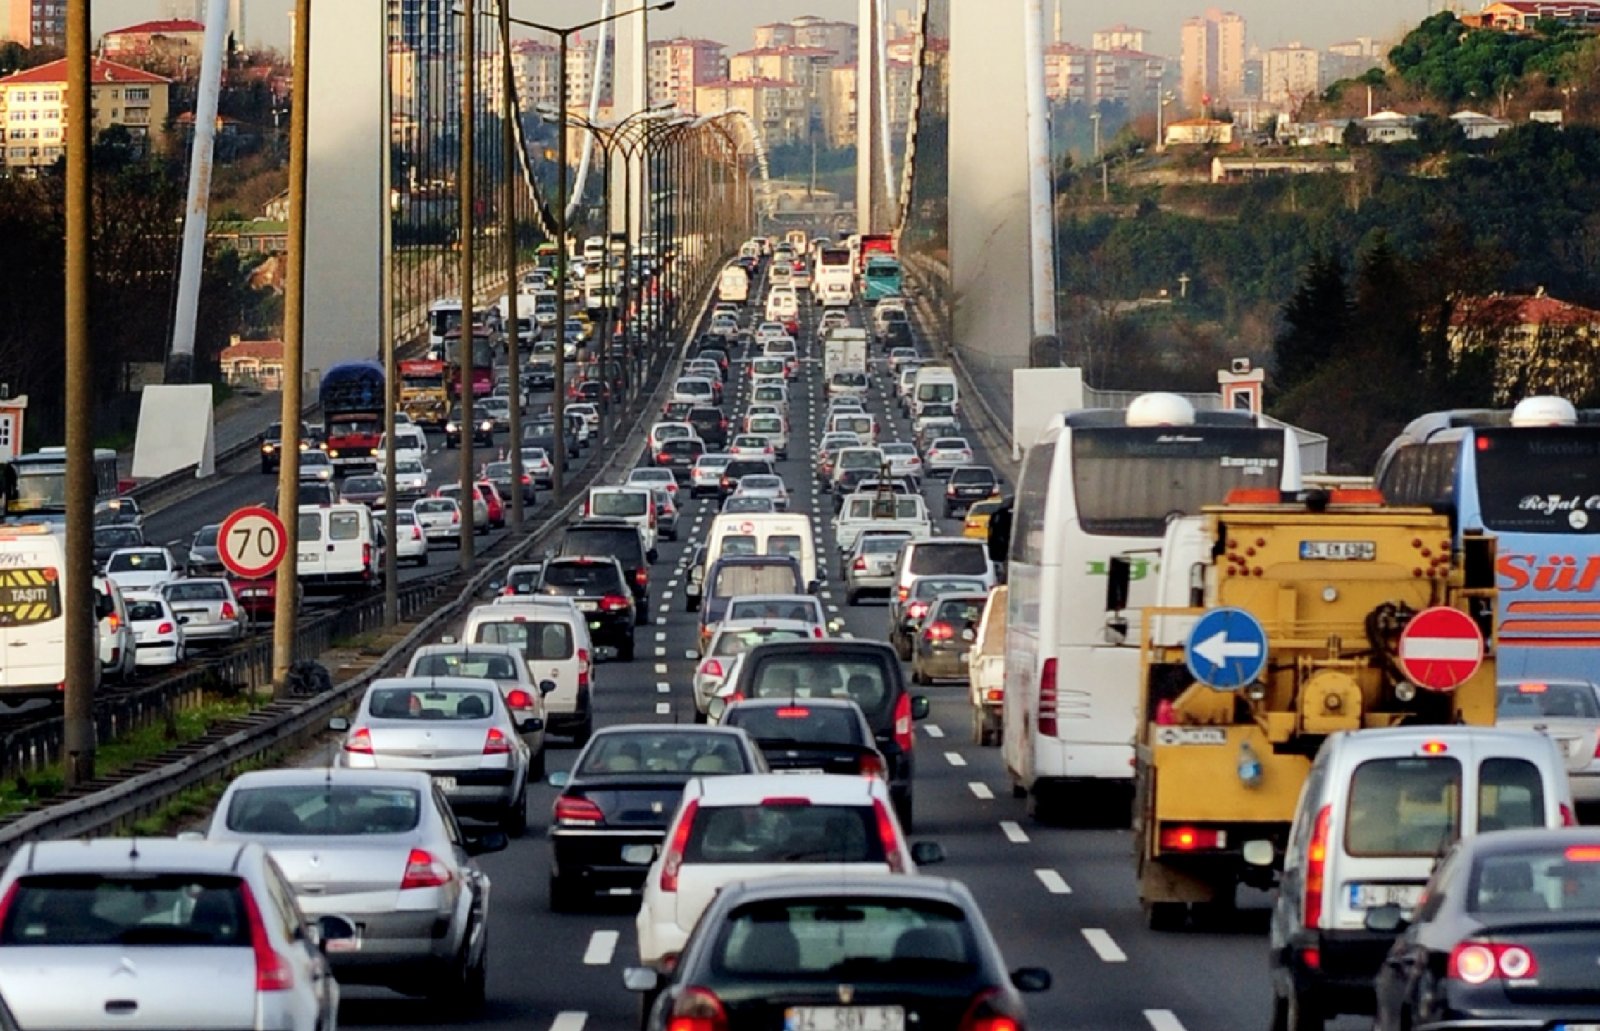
(531, 724)
(1030, 979)
(919, 707)
(1385, 919)
(490, 841)
(927, 853)
(546, 686)
(339, 724)
(559, 779)
(641, 979)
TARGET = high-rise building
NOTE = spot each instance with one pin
(34, 23)
(808, 31)
(1290, 74)
(677, 66)
(426, 26)
(1119, 37)
(580, 71)
(1081, 75)
(1213, 56)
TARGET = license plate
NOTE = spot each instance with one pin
(844, 1018)
(445, 783)
(1370, 896)
(303, 557)
(587, 606)
(253, 592)
(1338, 551)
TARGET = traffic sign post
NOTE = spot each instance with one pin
(1441, 648)
(251, 542)
(1227, 649)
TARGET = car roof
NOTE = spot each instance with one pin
(332, 775)
(824, 646)
(467, 647)
(798, 626)
(910, 886)
(1530, 837)
(129, 855)
(460, 683)
(752, 788)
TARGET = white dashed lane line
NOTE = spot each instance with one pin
(602, 946)
(1163, 1020)
(932, 730)
(663, 708)
(663, 687)
(980, 790)
(661, 667)
(1013, 832)
(955, 759)
(1053, 882)
(1103, 945)
(569, 1020)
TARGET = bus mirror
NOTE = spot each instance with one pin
(1000, 531)
(1119, 574)
(1477, 561)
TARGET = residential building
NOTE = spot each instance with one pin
(1119, 37)
(1199, 132)
(808, 31)
(426, 26)
(1389, 127)
(171, 46)
(1290, 75)
(533, 64)
(1539, 345)
(778, 108)
(33, 110)
(677, 66)
(581, 67)
(34, 23)
(256, 363)
(839, 110)
(1523, 15)
(1212, 62)
(1078, 75)
(257, 236)
(809, 68)
(1351, 58)
(1477, 126)
(1238, 168)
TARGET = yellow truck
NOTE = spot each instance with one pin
(1280, 620)
(423, 393)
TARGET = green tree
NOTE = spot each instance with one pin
(1316, 322)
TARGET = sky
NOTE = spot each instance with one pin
(1270, 22)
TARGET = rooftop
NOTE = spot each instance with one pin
(162, 27)
(103, 71)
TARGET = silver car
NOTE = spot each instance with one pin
(161, 933)
(440, 519)
(948, 453)
(380, 848)
(871, 565)
(761, 485)
(207, 609)
(455, 729)
(410, 477)
(506, 666)
(1568, 712)
(706, 475)
(903, 460)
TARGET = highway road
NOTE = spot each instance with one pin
(1058, 897)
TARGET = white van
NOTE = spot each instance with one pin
(764, 533)
(1377, 810)
(338, 549)
(33, 638)
(554, 638)
(783, 305)
(934, 384)
(733, 285)
(635, 505)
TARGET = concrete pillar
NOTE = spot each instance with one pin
(866, 112)
(630, 94)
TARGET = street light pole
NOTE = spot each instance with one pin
(465, 348)
(508, 173)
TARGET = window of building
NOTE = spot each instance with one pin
(142, 93)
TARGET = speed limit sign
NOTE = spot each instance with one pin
(251, 542)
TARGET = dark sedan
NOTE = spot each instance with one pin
(204, 559)
(109, 538)
(613, 810)
(499, 474)
(827, 735)
(813, 952)
(968, 486)
(1507, 937)
(680, 456)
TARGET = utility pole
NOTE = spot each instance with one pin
(508, 173)
(83, 658)
(391, 368)
(465, 349)
(558, 472)
(286, 603)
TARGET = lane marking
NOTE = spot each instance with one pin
(1163, 1020)
(980, 790)
(663, 687)
(932, 730)
(602, 946)
(1103, 945)
(660, 651)
(661, 635)
(1013, 832)
(663, 708)
(955, 758)
(1053, 882)
(569, 1020)
(661, 667)
(691, 654)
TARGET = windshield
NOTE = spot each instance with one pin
(1129, 481)
(1540, 480)
(324, 810)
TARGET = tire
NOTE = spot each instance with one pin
(475, 984)
(580, 737)
(561, 892)
(625, 650)
(851, 597)
(1164, 916)
(903, 810)
(536, 771)
(1292, 1013)
(515, 819)
(978, 730)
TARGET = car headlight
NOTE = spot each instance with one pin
(333, 453)
(267, 447)
(487, 424)
(450, 427)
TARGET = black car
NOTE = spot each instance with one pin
(916, 945)
(204, 559)
(109, 538)
(270, 444)
(499, 474)
(483, 433)
(542, 433)
(738, 469)
(622, 541)
(614, 807)
(866, 672)
(363, 490)
(1506, 936)
(680, 456)
(596, 585)
(540, 377)
(829, 735)
(710, 425)
(967, 485)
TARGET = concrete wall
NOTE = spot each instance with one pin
(344, 183)
(989, 235)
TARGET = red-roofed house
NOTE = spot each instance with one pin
(257, 363)
(678, 65)
(33, 109)
(1523, 15)
(172, 45)
(1539, 345)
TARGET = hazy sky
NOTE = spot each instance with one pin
(1271, 22)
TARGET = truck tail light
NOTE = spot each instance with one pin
(1046, 720)
(1316, 868)
(1192, 839)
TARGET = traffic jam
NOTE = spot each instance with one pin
(819, 716)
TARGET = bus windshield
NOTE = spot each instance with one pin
(1543, 480)
(1129, 482)
(445, 319)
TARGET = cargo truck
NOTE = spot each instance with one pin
(352, 399)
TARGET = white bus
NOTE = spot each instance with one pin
(833, 278)
(1100, 483)
(443, 316)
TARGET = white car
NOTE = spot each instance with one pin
(751, 445)
(536, 463)
(316, 465)
(590, 412)
(410, 477)
(706, 476)
(843, 826)
(118, 656)
(141, 569)
(761, 485)
(769, 331)
(847, 384)
(948, 453)
(207, 609)
(655, 479)
(662, 432)
(440, 519)
(732, 638)
(903, 460)
(157, 634)
(480, 505)
(1568, 711)
(411, 544)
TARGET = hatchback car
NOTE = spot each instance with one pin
(766, 952)
(706, 474)
(381, 848)
(612, 813)
(947, 454)
(907, 614)
(440, 519)
(455, 729)
(945, 636)
(752, 445)
(504, 664)
(157, 630)
(141, 569)
(822, 735)
(729, 829)
(679, 456)
(362, 490)
(1569, 712)
(966, 486)
(207, 609)
(761, 485)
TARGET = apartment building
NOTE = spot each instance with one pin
(34, 23)
(1212, 59)
(33, 110)
(677, 66)
(1290, 75)
(808, 31)
(779, 109)
(1081, 75)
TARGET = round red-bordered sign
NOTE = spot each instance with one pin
(1441, 648)
(251, 542)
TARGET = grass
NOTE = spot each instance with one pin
(19, 792)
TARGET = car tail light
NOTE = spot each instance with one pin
(1046, 721)
(613, 603)
(1478, 962)
(859, 563)
(1316, 868)
(1192, 839)
(712, 668)
(496, 742)
(664, 457)
(641, 576)
(455, 517)
(995, 694)
(366, 554)
(697, 1009)
(416, 533)
(902, 723)
(889, 837)
(360, 741)
(903, 592)
(940, 631)
(871, 765)
(917, 609)
(672, 859)
(519, 700)
(577, 812)
(165, 628)
(583, 667)
(273, 973)
(423, 871)
(1568, 817)
(981, 1014)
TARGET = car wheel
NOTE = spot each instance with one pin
(580, 736)
(1295, 1012)
(625, 650)
(536, 770)
(514, 821)
(1164, 916)
(851, 597)
(562, 895)
(902, 809)
(978, 729)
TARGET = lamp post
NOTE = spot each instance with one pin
(565, 34)
(1163, 98)
(508, 176)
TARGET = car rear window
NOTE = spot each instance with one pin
(732, 581)
(333, 810)
(431, 703)
(968, 559)
(1563, 878)
(175, 910)
(618, 503)
(1553, 700)
(141, 611)
(790, 833)
(138, 562)
(960, 613)
(620, 542)
(344, 526)
(679, 753)
(737, 642)
(1510, 794)
(921, 941)
(538, 640)
(193, 591)
(824, 675)
(599, 577)
(983, 476)
(1406, 806)
(128, 537)
(804, 724)
(465, 664)
(804, 610)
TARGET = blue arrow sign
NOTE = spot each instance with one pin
(1226, 649)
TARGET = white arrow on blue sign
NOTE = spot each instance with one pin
(1226, 649)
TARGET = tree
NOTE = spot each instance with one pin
(1316, 321)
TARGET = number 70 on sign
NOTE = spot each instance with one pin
(251, 542)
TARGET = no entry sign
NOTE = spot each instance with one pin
(1441, 648)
